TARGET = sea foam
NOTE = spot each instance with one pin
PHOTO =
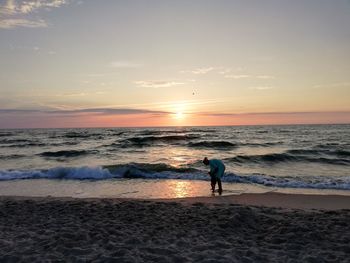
(163, 171)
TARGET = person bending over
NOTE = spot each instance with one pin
(217, 169)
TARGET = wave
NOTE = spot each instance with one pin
(58, 173)
(313, 182)
(12, 156)
(203, 130)
(179, 131)
(327, 145)
(164, 171)
(77, 135)
(212, 144)
(263, 131)
(132, 170)
(160, 132)
(286, 157)
(342, 153)
(9, 141)
(151, 167)
(147, 140)
(6, 134)
(23, 145)
(275, 157)
(266, 144)
(117, 133)
(320, 152)
(67, 153)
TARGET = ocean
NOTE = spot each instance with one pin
(295, 156)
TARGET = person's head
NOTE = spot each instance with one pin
(206, 161)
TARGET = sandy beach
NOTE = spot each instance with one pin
(211, 229)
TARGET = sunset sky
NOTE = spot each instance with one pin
(81, 63)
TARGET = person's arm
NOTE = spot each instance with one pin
(213, 169)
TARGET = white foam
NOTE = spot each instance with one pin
(100, 173)
(59, 173)
(316, 182)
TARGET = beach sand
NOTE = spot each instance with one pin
(211, 229)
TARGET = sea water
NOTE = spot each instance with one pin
(297, 156)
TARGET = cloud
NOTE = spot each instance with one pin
(202, 70)
(81, 94)
(157, 83)
(125, 64)
(261, 88)
(232, 74)
(8, 8)
(17, 13)
(100, 111)
(12, 7)
(11, 23)
(237, 76)
(272, 113)
(333, 85)
(199, 71)
(95, 75)
(77, 94)
(246, 76)
(6, 111)
(109, 111)
(264, 77)
(225, 71)
(81, 117)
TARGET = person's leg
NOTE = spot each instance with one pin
(213, 182)
(219, 185)
(220, 175)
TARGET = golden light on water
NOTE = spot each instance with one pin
(181, 189)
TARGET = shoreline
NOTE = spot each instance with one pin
(277, 200)
(145, 189)
(270, 199)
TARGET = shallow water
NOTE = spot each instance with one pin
(139, 188)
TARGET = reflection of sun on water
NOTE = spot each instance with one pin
(180, 157)
(178, 188)
(181, 189)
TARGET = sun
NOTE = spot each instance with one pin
(179, 115)
(179, 112)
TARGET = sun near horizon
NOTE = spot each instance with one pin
(173, 63)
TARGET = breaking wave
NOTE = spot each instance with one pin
(289, 157)
(164, 171)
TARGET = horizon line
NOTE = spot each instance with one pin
(177, 126)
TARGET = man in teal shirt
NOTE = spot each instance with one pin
(217, 169)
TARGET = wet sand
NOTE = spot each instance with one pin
(277, 200)
(214, 229)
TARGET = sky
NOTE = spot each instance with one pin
(110, 63)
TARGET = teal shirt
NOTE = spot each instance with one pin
(217, 167)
